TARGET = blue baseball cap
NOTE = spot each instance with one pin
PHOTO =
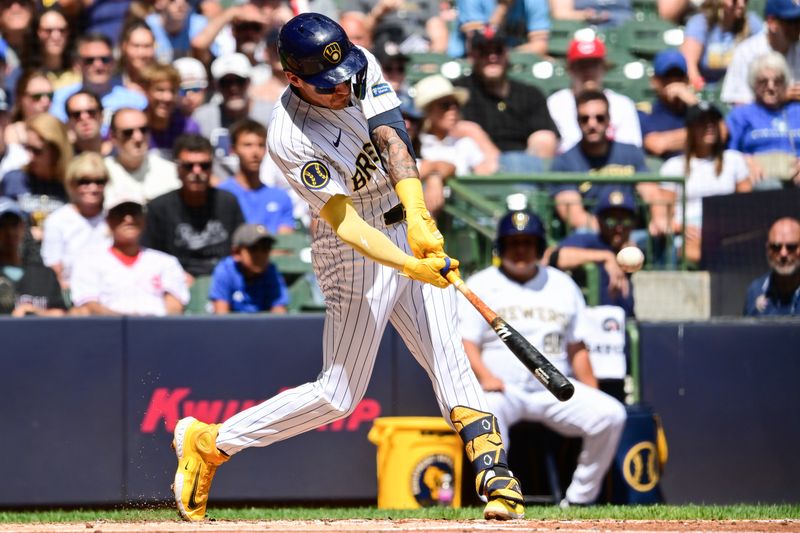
(616, 198)
(782, 9)
(670, 59)
(9, 206)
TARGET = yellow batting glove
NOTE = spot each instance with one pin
(424, 237)
(429, 270)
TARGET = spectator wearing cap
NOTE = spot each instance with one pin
(161, 84)
(525, 25)
(177, 30)
(196, 222)
(709, 169)
(587, 66)
(231, 102)
(664, 128)
(778, 292)
(441, 103)
(711, 36)
(49, 46)
(12, 156)
(96, 59)
(127, 278)
(25, 288)
(418, 23)
(80, 223)
(598, 155)
(781, 32)
(767, 130)
(602, 13)
(260, 203)
(137, 51)
(616, 216)
(246, 281)
(514, 114)
(134, 170)
(84, 116)
(194, 82)
(393, 64)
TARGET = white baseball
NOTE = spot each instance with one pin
(630, 259)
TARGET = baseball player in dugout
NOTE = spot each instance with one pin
(546, 307)
(339, 138)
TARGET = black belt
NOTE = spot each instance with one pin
(394, 215)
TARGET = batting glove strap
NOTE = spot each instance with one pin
(506, 487)
(484, 425)
(489, 460)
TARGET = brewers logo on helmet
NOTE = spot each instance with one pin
(317, 50)
(520, 223)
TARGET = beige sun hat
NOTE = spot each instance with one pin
(432, 88)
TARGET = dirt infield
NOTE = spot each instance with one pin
(401, 526)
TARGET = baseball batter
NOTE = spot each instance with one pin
(545, 306)
(338, 136)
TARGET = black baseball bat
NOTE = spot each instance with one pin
(532, 358)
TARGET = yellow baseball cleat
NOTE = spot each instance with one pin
(503, 509)
(195, 444)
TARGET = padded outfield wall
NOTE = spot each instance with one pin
(89, 405)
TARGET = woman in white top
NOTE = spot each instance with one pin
(710, 170)
(80, 223)
(441, 103)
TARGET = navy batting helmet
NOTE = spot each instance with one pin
(520, 223)
(316, 49)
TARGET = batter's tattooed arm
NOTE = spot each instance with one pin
(394, 154)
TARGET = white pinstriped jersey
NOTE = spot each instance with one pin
(325, 152)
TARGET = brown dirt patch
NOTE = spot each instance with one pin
(422, 526)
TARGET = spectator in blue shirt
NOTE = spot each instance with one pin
(261, 204)
(616, 212)
(526, 24)
(712, 34)
(176, 29)
(246, 281)
(767, 130)
(97, 69)
(778, 292)
(594, 154)
(664, 128)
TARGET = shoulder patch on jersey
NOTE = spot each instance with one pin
(315, 175)
(380, 88)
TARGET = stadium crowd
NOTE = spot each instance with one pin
(133, 159)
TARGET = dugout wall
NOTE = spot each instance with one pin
(89, 404)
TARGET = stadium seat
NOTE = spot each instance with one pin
(198, 297)
(631, 79)
(648, 37)
(645, 9)
(421, 65)
(548, 76)
(561, 33)
(301, 297)
(291, 255)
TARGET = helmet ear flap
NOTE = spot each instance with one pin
(359, 83)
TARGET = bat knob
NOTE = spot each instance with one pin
(565, 391)
(446, 268)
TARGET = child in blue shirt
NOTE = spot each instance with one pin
(246, 281)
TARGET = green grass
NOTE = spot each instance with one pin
(610, 512)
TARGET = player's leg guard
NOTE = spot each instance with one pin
(484, 448)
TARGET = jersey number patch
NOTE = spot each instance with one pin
(365, 165)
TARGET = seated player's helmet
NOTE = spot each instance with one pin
(520, 222)
(316, 49)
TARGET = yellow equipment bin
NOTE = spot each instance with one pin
(419, 462)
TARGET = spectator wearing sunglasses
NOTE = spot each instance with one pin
(135, 171)
(33, 95)
(39, 186)
(194, 84)
(778, 291)
(230, 103)
(196, 222)
(616, 215)
(84, 113)
(80, 223)
(596, 154)
(97, 69)
(161, 84)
